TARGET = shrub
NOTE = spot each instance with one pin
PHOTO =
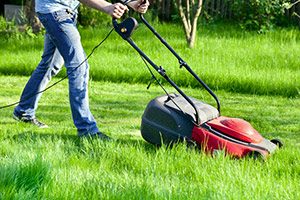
(91, 17)
(260, 15)
(11, 29)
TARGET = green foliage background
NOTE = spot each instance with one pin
(261, 15)
(91, 17)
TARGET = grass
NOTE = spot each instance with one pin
(54, 164)
(255, 76)
(224, 57)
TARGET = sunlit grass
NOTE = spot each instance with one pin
(54, 164)
(225, 58)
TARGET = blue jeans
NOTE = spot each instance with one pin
(62, 40)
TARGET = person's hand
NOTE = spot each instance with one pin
(117, 10)
(140, 6)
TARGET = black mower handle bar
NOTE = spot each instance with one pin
(125, 29)
(182, 62)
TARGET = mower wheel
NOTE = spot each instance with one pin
(256, 155)
(277, 142)
(191, 144)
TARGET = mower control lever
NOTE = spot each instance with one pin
(126, 27)
(182, 64)
(161, 71)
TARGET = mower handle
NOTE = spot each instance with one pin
(125, 29)
(182, 62)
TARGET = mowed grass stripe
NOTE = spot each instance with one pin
(225, 57)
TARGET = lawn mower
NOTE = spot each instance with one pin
(173, 118)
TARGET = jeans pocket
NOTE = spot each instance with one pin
(62, 16)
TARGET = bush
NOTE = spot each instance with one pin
(11, 29)
(91, 17)
(16, 2)
(7, 29)
(260, 15)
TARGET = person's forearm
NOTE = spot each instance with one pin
(101, 5)
(117, 10)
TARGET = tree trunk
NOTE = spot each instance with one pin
(33, 21)
(189, 13)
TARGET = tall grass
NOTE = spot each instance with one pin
(54, 164)
(224, 57)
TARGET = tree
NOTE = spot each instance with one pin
(290, 5)
(189, 11)
(33, 21)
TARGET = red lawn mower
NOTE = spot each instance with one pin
(171, 118)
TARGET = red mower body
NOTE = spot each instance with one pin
(235, 136)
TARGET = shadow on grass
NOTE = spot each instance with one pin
(78, 142)
(150, 148)
(35, 136)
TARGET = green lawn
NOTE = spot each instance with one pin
(225, 57)
(54, 164)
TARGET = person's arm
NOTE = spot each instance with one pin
(140, 6)
(115, 10)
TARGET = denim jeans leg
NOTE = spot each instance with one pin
(61, 27)
(55, 66)
(49, 66)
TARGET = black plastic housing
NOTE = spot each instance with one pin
(164, 122)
